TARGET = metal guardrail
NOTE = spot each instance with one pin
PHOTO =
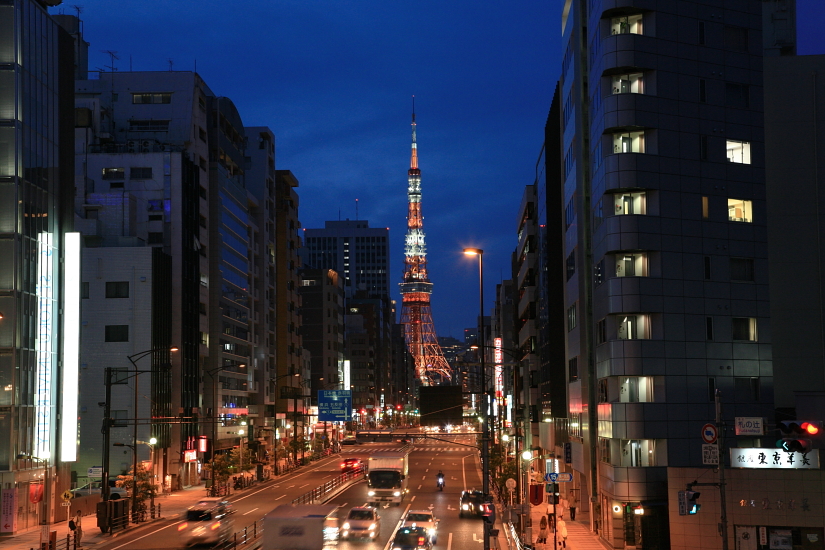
(248, 537)
(319, 493)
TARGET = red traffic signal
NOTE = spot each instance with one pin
(811, 428)
(798, 433)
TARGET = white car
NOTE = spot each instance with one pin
(96, 487)
(425, 519)
(207, 522)
(362, 522)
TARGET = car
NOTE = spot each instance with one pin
(361, 522)
(411, 538)
(351, 464)
(207, 522)
(96, 487)
(350, 440)
(425, 519)
(471, 504)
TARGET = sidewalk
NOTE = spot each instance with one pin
(171, 505)
(579, 536)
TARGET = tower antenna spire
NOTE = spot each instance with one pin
(431, 367)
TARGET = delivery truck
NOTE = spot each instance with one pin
(387, 477)
(300, 527)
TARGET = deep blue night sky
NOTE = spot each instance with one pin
(334, 80)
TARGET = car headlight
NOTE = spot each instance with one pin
(465, 507)
(431, 531)
(397, 494)
(371, 527)
(346, 526)
(371, 493)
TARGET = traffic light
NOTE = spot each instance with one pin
(687, 503)
(488, 512)
(795, 435)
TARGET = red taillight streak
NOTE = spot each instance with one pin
(182, 526)
(215, 525)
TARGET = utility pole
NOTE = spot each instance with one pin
(720, 424)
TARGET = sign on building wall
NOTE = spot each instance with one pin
(8, 511)
(773, 459)
(750, 425)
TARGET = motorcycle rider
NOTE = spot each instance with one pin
(440, 476)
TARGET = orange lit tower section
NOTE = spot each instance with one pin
(416, 315)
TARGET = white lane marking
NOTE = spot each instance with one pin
(249, 512)
(249, 495)
(449, 541)
(412, 498)
(419, 487)
(276, 498)
(146, 535)
(304, 485)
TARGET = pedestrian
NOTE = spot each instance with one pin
(561, 533)
(573, 502)
(562, 507)
(542, 538)
(77, 528)
(551, 512)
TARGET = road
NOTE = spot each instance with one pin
(459, 464)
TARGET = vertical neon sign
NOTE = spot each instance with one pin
(71, 347)
(498, 356)
(45, 345)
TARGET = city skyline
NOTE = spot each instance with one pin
(335, 83)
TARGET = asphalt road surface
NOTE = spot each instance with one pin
(458, 462)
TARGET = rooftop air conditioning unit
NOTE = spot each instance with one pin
(132, 145)
(146, 146)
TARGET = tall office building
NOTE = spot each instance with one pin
(39, 265)
(355, 250)
(665, 248)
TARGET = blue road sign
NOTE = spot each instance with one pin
(559, 477)
(334, 405)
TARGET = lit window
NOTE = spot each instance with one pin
(629, 142)
(631, 265)
(629, 203)
(743, 329)
(738, 152)
(636, 389)
(633, 327)
(638, 452)
(632, 83)
(632, 24)
(740, 210)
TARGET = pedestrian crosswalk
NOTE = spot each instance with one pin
(389, 447)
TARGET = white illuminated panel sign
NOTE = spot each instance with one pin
(774, 459)
(71, 346)
(45, 345)
(346, 374)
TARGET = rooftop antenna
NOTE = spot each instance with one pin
(112, 57)
(171, 62)
(356, 209)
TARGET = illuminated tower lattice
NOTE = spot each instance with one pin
(416, 315)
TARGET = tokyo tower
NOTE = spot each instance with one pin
(416, 315)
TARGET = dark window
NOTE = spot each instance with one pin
(119, 419)
(117, 333)
(601, 331)
(703, 147)
(746, 389)
(703, 92)
(116, 185)
(119, 289)
(707, 268)
(155, 217)
(162, 97)
(737, 95)
(571, 317)
(736, 38)
(741, 269)
(573, 369)
(709, 328)
(603, 393)
(114, 173)
(84, 290)
(569, 213)
(743, 328)
(711, 388)
(138, 173)
(155, 237)
(571, 264)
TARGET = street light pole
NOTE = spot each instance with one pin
(485, 435)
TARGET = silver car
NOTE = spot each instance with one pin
(362, 522)
(207, 522)
(96, 487)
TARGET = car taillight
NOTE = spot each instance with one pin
(420, 541)
(343, 465)
(215, 525)
(182, 526)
